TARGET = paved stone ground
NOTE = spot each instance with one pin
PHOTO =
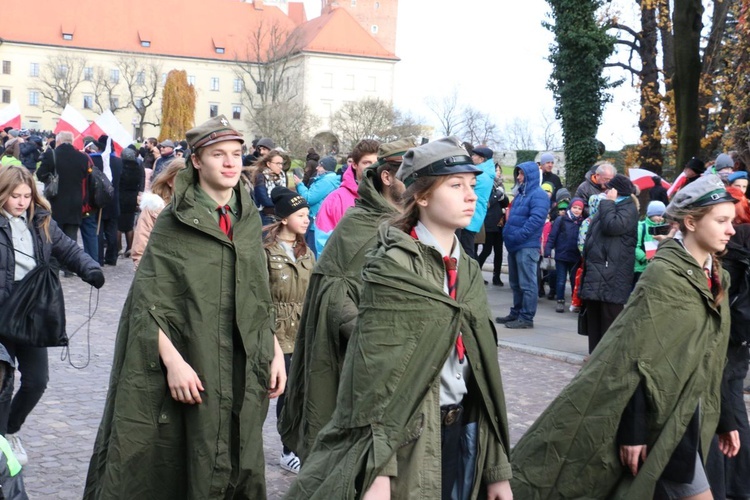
(59, 434)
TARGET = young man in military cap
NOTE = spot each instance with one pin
(195, 360)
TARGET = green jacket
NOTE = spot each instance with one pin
(643, 237)
(669, 336)
(387, 418)
(288, 282)
(210, 296)
(328, 319)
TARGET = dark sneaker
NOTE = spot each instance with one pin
(505, 319)
(519, 324)
(560, 308)
(551, 295)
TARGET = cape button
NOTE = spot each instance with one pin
(196, 221)
(690, 272)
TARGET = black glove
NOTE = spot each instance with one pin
(95, 278)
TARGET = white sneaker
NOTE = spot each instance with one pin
(18, 450)
(289, 462)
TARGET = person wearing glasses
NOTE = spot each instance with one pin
(166, 155)
(269, 173)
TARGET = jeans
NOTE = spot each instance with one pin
(564, 270)
(522, 265)
(34, 367)
(89, 237)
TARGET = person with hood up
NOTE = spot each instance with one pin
(364, 154)
(522, 235)
(483, 158)
(420, 411)
(322, 185)
(329, 315)
(638, 419)
(563, 239)
(609, 258)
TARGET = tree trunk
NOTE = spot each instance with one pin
(687, 31)
(650, 154)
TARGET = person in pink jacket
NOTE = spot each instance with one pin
(364, 154)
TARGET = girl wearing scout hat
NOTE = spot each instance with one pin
(420, 409)
(290, 265)
(638, 419)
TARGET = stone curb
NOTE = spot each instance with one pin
(573, 359)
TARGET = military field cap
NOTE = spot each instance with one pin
(286, 202)
(215, 130)
(444, 156)
(705, 191)
(392, 153)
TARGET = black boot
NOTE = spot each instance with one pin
(496, 279)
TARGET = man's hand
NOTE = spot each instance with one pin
(278, 371)
(629, 456)
(499, 491)
(729, 443)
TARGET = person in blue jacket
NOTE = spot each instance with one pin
(522, 235)
(322, 185)
(563, 239)
(483, 160)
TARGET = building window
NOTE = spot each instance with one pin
(213, 110)
(34, 69)
(237, 86)
(191, 80)
(163, 78)
(374, 29)
(67, 36)
(140, 78)
(114, 76)
(33, 98)
(260, 88)
(215, 83)
(6, 96)
(139, 104)
(114, 103)
(236, 112)
(327, 80)
(88, 102)
(145, 43)
(377, 5)
(6, 67)
(219, 50)
(88, 73)
(349, 82)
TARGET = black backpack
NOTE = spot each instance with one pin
(101, 191)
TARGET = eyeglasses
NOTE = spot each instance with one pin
(276, 162)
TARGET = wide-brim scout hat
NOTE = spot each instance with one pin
(705, 191)
(442, 157)
(215, 130)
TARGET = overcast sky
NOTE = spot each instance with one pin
(495, 54)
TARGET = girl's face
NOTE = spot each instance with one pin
(741, 184)
(713, 231)
(297, 222)
(276, 164)
(451, 205)
(576, 210)
(657, 219)
(19, 201)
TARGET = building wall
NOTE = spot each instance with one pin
(378, 17)
(331, 81)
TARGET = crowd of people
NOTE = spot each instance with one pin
(360, 279)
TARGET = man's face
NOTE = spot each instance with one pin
(364, 162)
(219, 166)
(603, 178)
(263, 150)
(547, 167)
(165, 150)
(477, 159)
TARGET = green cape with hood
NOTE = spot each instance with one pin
(672, 338)
(210, 296)
(328, 319)
(387, 418)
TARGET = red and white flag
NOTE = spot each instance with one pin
(650, 248)
(71, 120)
(644, 178)
(10, 116)
(678, 184)
(106, 123)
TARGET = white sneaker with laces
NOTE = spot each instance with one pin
(290, 462)
(18, 450)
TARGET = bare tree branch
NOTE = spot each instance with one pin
(447, 112)
(60, 77)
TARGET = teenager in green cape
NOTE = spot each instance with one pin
(420, 410)
(637, 420)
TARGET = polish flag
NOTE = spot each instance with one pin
(106, 123)
(10, 116)
(678, 184)
(650, 248)
(71, 120)
(644, 178)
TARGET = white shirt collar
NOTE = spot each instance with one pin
(426, 237)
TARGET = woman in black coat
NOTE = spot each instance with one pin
(493, 227)
(29, 236)
(609, 258)
(132, 183)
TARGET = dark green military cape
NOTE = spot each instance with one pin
(671, 337)
(407, 327)
(328, 318)
(198, 287)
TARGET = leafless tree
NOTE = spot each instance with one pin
(478, 128)
(519, 134)
(61, 75)
(105, 85)
(448, 112)
(289, 123)
(404, 125)
(369, 118)
(551, 130)
(142, 81)
(269, 68)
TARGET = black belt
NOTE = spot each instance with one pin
(451, 415)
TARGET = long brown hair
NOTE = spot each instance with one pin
(270, 239)
(679, 215)
(163, 185)
(13, 176)
(420, 189)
